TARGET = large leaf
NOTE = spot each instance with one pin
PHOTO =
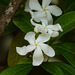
(22, 21)
(67, 69)
(22, 69)
(67, 22)
(67, 50)
(13, 56)
(52, 68)
(4, 2)
(58, 68)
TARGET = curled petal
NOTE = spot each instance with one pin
(37, 57)
(59, 27)
(35, 5)
(44, 37)
(27, 9)
(48, 50)
(55, 34)
(21, 50)
(46, 3)
(30, 37)
(56, 11)
(33, 23)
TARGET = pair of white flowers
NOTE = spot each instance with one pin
(41, 14)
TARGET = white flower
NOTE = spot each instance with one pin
(43, 11)
(38, 46)
(45, 28)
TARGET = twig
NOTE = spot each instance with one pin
(9, 13)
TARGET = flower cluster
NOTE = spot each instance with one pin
(45, 30)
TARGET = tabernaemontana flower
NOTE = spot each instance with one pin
(43, 11)
(45, 28)
(38, 45)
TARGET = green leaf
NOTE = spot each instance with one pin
(4, 2)
(52, 68)
(58, 68)
(22, 21)
(11, 28)
(22, 69)
(13, 56)
(69, 70)
(67, 22)
(25, 61)
(67, 50)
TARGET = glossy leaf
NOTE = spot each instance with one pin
(22, 69)
(22, 21)
(52, 68)
(67, 50)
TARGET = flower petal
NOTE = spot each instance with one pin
(59, 27)
(30, 37)
(37, 57)
(56, 11)
(44, 37)
(47, 50)
(30, 48)
(27, 9)
(46, 3)
(55, 34)
(21, 50)
(35, 5)
(33, 23)
(49, 18)
(38, 16)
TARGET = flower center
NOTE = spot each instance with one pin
(36, 44)
(46, 27)
(44, 9)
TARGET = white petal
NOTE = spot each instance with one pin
(37, 57)
(30, 37)
(55, 34)
(27, 9)
(59, 27)
(50, 31)
(47, 50)
(41, 29)
(38, 16)
(56, 11)
(33, 23)
(49, 18)
(30, 48)
(44, 37)
(46, 3)
(35, 5)
(21, 50)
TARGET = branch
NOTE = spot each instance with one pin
(9, 13)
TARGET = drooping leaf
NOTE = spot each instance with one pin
(67, 22)
(22, 69)
(52, 68)
(58, 68)
(67, 50)
(22, 21)
(13, 56)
